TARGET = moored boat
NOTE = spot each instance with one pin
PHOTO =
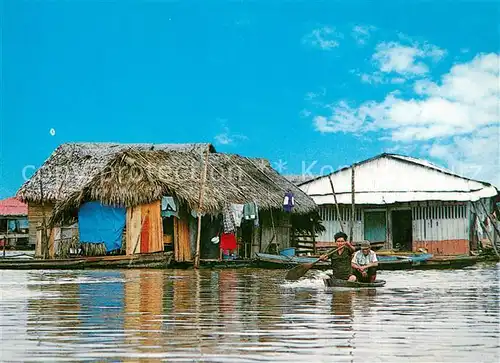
(150, 260)
(267, 260)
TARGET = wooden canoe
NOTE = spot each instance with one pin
(331, 282)
(150, 260)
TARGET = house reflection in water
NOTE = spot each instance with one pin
(143, 309)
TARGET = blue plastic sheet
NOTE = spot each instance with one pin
(98, 223)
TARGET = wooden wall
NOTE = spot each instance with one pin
(35, 217)
(182, 240)
(144, 229)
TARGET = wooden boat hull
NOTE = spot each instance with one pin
(150, 260)
(331, 282)
(266, 260)
(271, 261)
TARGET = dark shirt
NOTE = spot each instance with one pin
(341, 264)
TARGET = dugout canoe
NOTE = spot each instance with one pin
(331, 282)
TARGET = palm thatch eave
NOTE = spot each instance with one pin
(135, 177)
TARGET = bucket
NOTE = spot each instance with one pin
(288, 252)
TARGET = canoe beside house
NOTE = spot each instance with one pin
(100, 199)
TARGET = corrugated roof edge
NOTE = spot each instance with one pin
(404, 159)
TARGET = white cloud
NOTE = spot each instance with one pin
(461, 111)
(378, 77)
(476, 156)
(226, 137)
(325, 38)
(406, 60)
(362, 33)
(467, 98)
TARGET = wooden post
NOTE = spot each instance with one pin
(200, 207)
(487, 233)
(336, 204)
(44, 240)
(313, 238)
(353, 209)
(494, 226)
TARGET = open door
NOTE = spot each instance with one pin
(402, 230)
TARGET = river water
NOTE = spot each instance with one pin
(248, 315)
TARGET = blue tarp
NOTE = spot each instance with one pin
(98, 223)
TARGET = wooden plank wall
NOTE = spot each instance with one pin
(144, 229)
(133, 226)
(152, 231)
(182, 245)
(35, 218)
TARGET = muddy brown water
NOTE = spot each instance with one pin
(248, 315)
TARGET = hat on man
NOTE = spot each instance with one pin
(365, 244)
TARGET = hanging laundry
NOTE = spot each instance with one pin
(250, 211)
(479, 228)
(228, 219)
(256, 220)
(288, 201)
(168, 207)
(237, 210)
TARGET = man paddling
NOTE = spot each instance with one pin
(341, 260)
(364, 264)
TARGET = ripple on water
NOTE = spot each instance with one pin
(248, 315)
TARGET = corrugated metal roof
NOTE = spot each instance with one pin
(13, 207)
(421, 162)
(391, 178)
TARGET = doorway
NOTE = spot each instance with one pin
(402, 236)
(375, 226)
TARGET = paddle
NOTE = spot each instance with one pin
(300, 270)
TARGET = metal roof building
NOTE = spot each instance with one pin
(404, 203)
(391, 178)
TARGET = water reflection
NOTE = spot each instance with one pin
(244, 315)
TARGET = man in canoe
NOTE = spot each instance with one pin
(364, 264)
(341, 260)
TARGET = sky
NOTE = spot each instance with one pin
(312, 86)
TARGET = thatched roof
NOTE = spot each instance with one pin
(72, 165)
(299, 179)
(134, 175)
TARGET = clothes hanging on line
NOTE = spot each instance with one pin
(228, 219)
(250, 211)
(288, 202)
(168, 207)
(237, 210)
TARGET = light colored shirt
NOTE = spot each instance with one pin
(361, 259)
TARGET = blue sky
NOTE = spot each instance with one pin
(300, 83)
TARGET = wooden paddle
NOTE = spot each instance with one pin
(300, 270)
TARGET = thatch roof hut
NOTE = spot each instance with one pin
(72, 165)
(135, 174)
